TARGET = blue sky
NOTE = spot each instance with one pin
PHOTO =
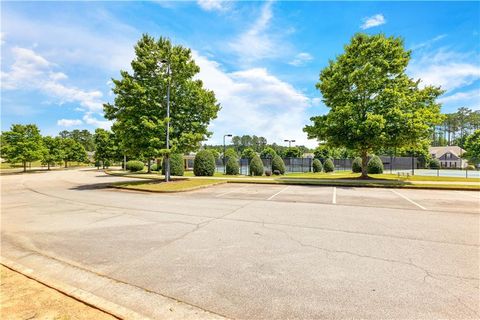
(262, 59)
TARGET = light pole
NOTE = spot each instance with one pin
(167, 158)
(224, 149)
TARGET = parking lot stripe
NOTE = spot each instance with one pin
(409, 200)
(334, 197)
(276, 194)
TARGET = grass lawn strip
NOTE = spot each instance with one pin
(176, 185)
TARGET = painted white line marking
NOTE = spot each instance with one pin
(276, 194)
(334, 197)
(409, 200)
(231, 191)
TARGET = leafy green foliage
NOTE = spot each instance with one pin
(470, 167)
(105, 146)
(434, 164)
(373, 103)
(73, 151)
(248, 153)
(204, 163)
(328, 166)
(293, 152)
(256, 166)
(52, 151)
(23, 143)
(375, 165)
(176, 165)
(268, 153)
(232, 166)
(357, 165)
(472, 146)
(84, 137)
(317, 165)
(155, 167)
(135, 165)
(215, 153)
(278, 164)
(230, 153)
(140, 108)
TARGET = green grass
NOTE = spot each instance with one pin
(383, 176)
(177, 185)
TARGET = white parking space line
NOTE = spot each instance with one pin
(276, 194)
(409, 200)
(231, 191)
(334, 196)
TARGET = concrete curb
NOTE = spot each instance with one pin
(83, 296)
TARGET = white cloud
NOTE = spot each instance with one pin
(212, 5)
(469, 99)
(428, 43)
(255, 43)
(31, 71)
(69, 122)
(373, 21)
(255, 102)
(301, 59)
(448, 69)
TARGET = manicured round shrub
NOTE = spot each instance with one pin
(204, 164)
(317, 165)
(375, 165)
(434, 164)
(135, 165)
(232, 166)
(357, 165)
(256, 166)
(328, 166)
(470, 167)
(176, 164)
(268, 173)
(155, 167)
(278, 164)
(276, 172)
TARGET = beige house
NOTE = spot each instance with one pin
(449, 156)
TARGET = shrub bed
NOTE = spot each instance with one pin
(317, 165)
(278, 164)
(375, 165)
(135, 165)
(204, 164)
(176, 164)
(328, 166)
(256, 166)
(232, 166)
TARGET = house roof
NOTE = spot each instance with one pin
(440, 151)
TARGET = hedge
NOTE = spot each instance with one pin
(204, 163)
(434, 164)
(256, 166)
(317, 165)
(176, 164)
(278, 164)
(135, 165)
(357, 165)
(328, 166)
(232, 166)
(375, 165)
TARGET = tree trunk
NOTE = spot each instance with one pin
(149, 166)
(24, 166)
(66, 162)
(48, 165)
(364, 154)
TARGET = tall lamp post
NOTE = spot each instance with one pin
(167, 158)
(224, 149)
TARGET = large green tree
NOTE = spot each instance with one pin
(73, 151)
(105, 147)
(373, 103)
(52, 151)
(472, 146)
(84, 137)
(140, 108)
(23, 143)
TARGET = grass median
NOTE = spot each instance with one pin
(176, 185)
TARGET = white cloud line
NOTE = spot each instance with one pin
(31, 71)
(69, 122)
(373, 21)
(301, 59)
(428, 43)
(213, 5)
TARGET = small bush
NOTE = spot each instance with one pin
(375, 165)
(135, 165)
(155, 167)
(268, 173)
(357, 165)
(434, 164)
(328, 166)
(317, 165)
(278, 164)
(276, 172)
(176, 165)
(204, 164)
(256, 166)
(232, 166)
(470, 167)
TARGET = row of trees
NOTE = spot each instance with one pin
(456, 127)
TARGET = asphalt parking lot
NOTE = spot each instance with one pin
(249, 251)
